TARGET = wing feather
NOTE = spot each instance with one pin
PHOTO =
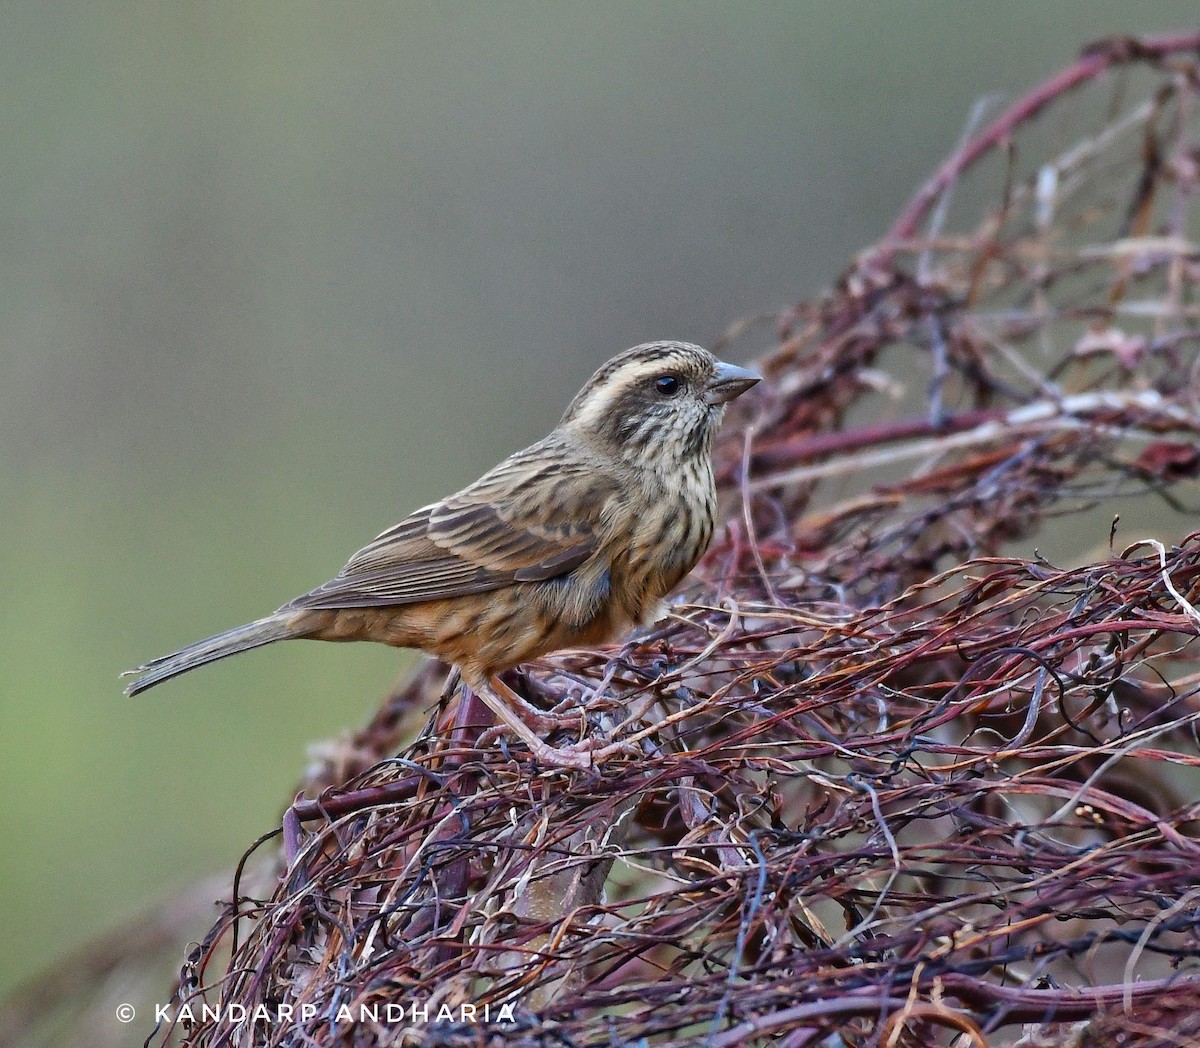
(538, 515)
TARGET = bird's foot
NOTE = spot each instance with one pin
(541, 722)
(587, 753)
(548, 722)
(516, 715)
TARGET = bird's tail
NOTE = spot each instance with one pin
(243, 638)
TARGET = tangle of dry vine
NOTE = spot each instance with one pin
(890, 783)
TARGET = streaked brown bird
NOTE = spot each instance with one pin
(568, 543)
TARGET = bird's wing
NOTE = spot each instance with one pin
(534, 517)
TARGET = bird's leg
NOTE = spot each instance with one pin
(491, 692)
(539, 720)
(501, 699)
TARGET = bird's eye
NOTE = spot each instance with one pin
(668, 385)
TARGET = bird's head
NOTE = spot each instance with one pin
(656, 404)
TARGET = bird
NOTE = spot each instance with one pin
(571, 542)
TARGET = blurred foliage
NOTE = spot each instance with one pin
(275, 275)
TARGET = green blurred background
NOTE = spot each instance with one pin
(275, 274)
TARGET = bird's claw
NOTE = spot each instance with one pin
(541, 723)
(529, 724)
(595, 751)
(586, 753)
(547, 723)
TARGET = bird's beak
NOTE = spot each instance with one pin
(729, 381)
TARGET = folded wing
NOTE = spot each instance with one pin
(536, 516)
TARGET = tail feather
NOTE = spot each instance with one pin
(231, 642)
